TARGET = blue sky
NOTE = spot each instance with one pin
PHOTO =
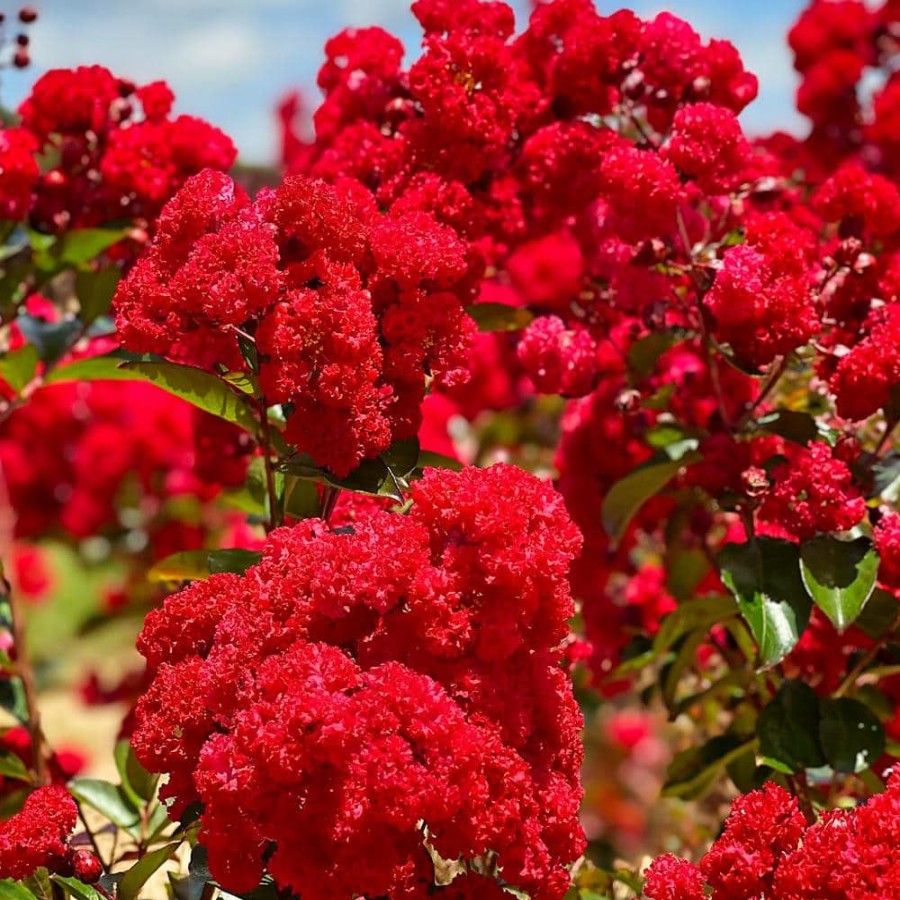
(228, 60)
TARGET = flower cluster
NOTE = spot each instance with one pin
(345, 311)
(768, 850)
(369, 690)
(117, 152)
(38, 835)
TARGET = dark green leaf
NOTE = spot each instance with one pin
(499, 316)
(799, 427)
(788, 729)
(879, 615)
(839, 575)
(764, 576)
(107, 799)
(198, 565)
(629, 494)
(886, 474)
(138, 875)
(50, 339)
(95, 291)
(18, 367)
(12, 698)
(851, 735)
(428, 459)
(301, 498)
(693, 772)
(402, 456)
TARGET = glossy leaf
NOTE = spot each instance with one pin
(14, 890)
(198, 565)
(764, 576)
(107, 799)
(141, 872)
(78, 889)
(839, 575)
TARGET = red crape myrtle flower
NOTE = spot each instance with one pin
(365, 689)
(38, 835)
(348, 309)
(767, 852)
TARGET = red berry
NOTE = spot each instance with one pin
(87, 866)
(27, 15)
(21, 60)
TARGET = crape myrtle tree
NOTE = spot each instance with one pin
(531, 389)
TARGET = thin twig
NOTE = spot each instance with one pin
(24, 668)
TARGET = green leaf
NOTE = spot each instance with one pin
(700, 614)
(799, 427)
(77, 889)
(50, 339)
(402, 456)
(14, 890)
(141, 872)
(428, 459)
(886, 481)
(12, 698)
(645, 353)
(788, 729)
(839, 575)
(301, 498)
(198, 565)
(138, 783)
(199, 388)
(11, 766)
(94, 368)
(851, 734)
(630, 493)
(18, 367)
(84, 244)
(764, 576)
(95, 292)
(693, 772)
(107, 799)
(879, 615)
(499, 316)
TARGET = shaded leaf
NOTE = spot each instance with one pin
(50, 339)
(799, 427)
(852, 736)
(839, 575)
(11, 766)
(788, 729)
(136, 780)
(95, 292)
(499, 316)
(694, 771)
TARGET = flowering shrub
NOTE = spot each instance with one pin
(494, 497)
